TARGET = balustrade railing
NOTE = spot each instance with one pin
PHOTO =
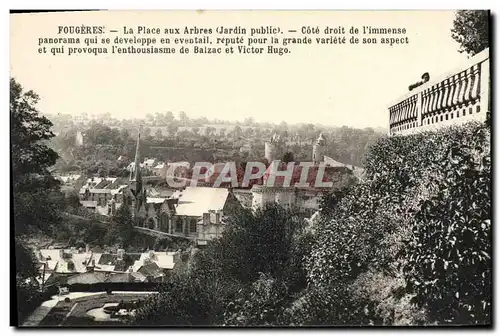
(460, 96)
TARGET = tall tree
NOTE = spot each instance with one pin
(35, 192)
(471, 30)
(124, 224)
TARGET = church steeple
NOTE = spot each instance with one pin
(136, 180)
(135, 173)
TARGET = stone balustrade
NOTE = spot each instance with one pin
(457, 97)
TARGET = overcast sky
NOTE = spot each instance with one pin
(332, 85)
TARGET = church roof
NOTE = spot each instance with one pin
(195, 201)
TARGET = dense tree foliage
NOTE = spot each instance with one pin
(123, 222)
(449, 253)
(471, 30)
(420, 221)
(255, 266)
(36, 195)
(35, 191)
(194, 140)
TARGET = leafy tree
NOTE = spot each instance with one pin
(172, 129)
(36, 197)
(35, 192)
(168, 117)
(159, 134)
(471, 30)
(229, 271)
(124, 223)
(259, 304)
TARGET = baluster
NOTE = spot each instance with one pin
(415, 109)
(434, 98)
(425, 106)
(468, 89)
(412, 104)
(446, 93)
(461, 95)
(475, 88)
(452, 85)
(431, 91)
(406, 110)
(439, 99)
(402, 111)
(410, 108)
(458, 86)
(423, 98)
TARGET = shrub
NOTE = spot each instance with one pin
(424, 204)
(449, 254)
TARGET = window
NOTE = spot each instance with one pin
(446, 117)
(178, 225)
(151, 224)
(478, 108)
(163, 222)
(470, 110)
(458, 114)
(192, 225)
(464, 113)
(441, 118)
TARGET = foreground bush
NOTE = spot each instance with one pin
(449, 253)
(422, 216)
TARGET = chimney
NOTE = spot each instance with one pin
(120, 253)
(87, 248)
(206, 218)
(213, 218)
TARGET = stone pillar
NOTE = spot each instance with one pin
(485, 87)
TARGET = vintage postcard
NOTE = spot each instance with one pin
(251, 168)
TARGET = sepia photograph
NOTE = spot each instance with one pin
(250, 168)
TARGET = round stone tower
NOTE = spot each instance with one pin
(319, 150)
(274, 149)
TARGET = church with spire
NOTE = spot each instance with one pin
(137, 192)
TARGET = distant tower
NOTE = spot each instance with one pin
(274, 149)
(319, 150)
(135, 182)
(79, 139)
